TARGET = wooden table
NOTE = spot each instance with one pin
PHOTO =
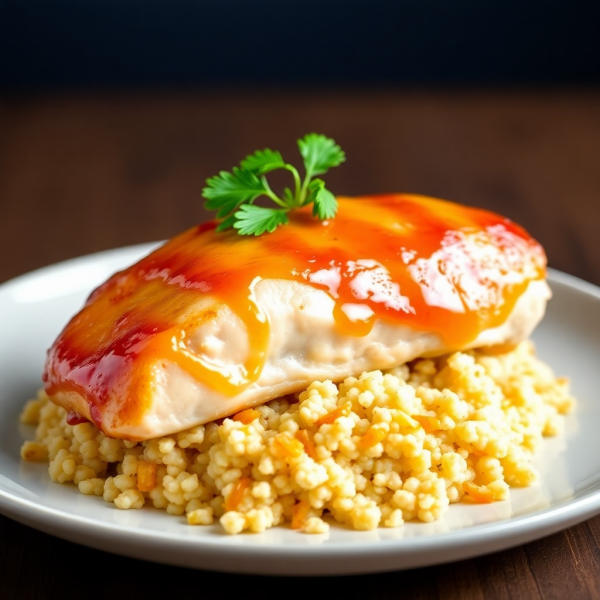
(82, 173)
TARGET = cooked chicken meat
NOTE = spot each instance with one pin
(212, 323)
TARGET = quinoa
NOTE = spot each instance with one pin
(373, 451)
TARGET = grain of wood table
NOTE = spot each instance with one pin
(82, 173)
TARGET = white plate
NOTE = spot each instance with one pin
(33, 309)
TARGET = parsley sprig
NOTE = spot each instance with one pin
(232, 194)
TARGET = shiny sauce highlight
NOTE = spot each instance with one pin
(425, 263)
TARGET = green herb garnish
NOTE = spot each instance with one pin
(233, 194)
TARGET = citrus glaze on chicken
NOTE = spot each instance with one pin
(214, 322)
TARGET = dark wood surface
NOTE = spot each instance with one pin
(80, 174)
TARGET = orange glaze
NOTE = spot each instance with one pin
(429, 264)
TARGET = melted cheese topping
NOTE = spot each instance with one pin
(429, 264)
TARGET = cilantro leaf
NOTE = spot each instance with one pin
(323, 201)
(263, 161)
(227, 222)
(320, 153)
(232, 194)
(256, 219)
(226, 191)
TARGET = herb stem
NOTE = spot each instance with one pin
(302, 197)
(271, 194)
(297, 184)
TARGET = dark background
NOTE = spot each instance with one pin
(58, 44)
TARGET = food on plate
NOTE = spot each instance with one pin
(374, 450)
(212, 323)
(364, 358)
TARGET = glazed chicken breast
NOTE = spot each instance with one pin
(212, 322)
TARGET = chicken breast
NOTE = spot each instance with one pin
(212, 323)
